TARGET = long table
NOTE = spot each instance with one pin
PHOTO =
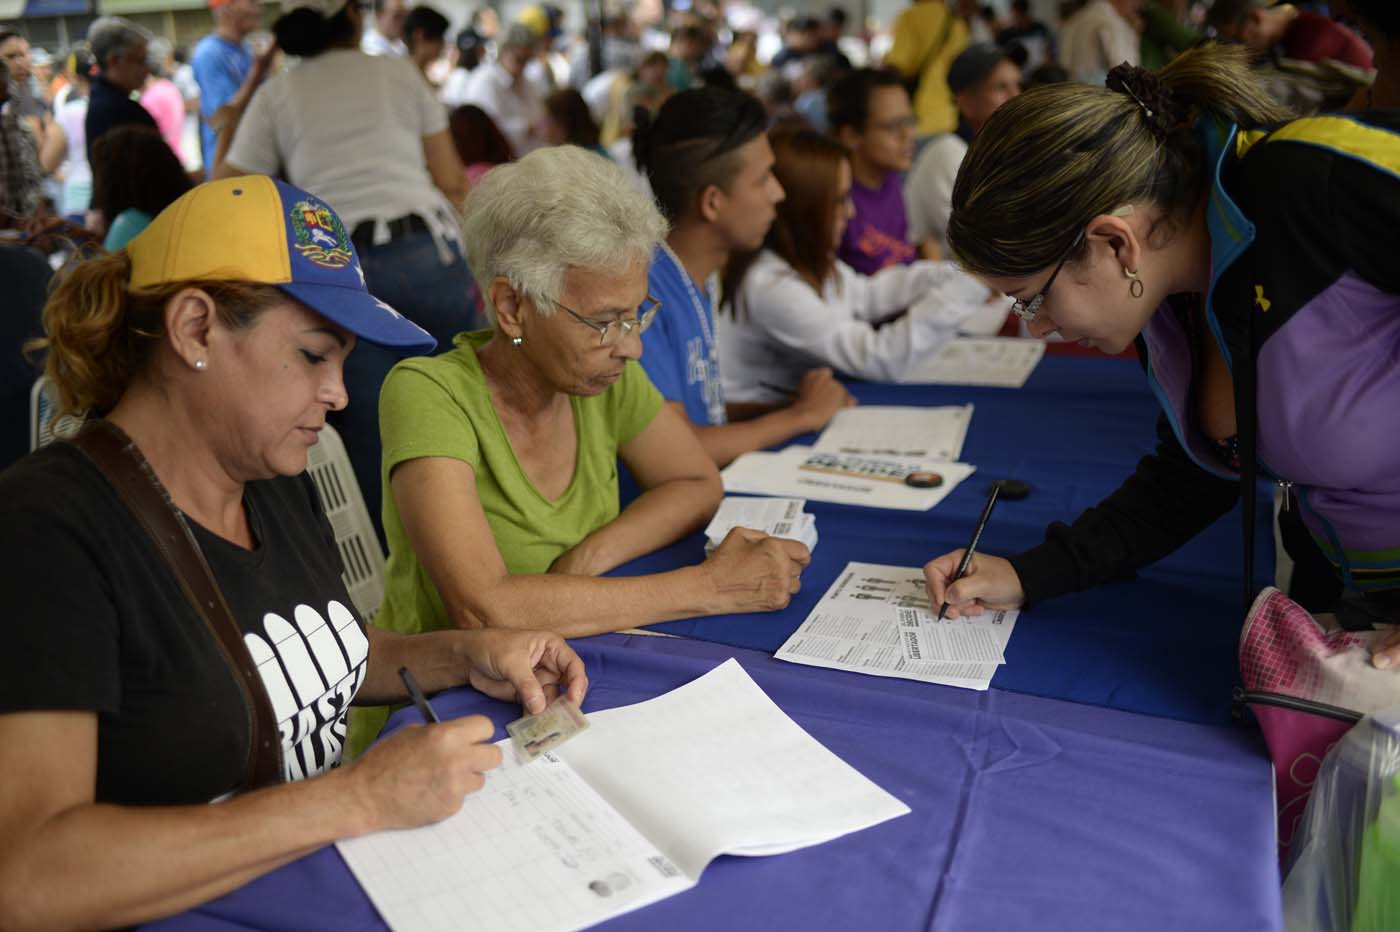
(1163, 643)
(1028, 813)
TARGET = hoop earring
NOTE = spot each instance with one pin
(1134, 283)
(517, 341)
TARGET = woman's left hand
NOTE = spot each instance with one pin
(530, 667)
(1385, 650)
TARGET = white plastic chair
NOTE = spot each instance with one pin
(43, 427)
(363, 561)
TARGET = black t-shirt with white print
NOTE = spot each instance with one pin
(93, 620)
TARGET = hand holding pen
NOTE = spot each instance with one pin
(965, 582)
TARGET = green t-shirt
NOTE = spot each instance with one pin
(440, 406)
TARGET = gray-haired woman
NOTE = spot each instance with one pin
(501, 495)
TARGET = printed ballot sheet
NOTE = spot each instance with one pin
(998, 362)
(935, 434)
(780, 517)
(968, 639)
(905, 483)
(627, 813)
(856, 626)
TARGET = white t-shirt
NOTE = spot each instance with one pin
(347, 127)
(77, 174)
(454, 89)
(374, 42)
(515, 108)
(780, 327)
(928, 189)
(1096, 39)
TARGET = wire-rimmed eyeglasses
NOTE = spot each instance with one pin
(1026, 310)
(615, 331)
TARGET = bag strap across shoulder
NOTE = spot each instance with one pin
(136, 484)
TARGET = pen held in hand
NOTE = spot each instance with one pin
(416, 694)
(972, 546)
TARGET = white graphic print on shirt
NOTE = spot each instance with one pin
(311, 670)
(702, 368)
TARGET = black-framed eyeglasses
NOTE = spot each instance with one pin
(615, 331)
(1026, 310)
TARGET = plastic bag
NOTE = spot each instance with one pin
(1344, 868)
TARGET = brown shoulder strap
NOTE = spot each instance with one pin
(136, 484)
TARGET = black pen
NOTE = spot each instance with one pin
(972, 547)
(417, 696)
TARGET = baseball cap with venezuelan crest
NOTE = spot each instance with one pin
(258, 229)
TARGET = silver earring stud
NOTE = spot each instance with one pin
(517, 341)
(201, 365)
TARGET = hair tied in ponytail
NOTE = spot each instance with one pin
(1147, 90)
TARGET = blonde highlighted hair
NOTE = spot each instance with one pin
(1054, 158)
(100, 335)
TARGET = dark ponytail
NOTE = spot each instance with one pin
(306, 33)
(1056, 156)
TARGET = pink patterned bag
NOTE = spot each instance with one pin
(1306, 686)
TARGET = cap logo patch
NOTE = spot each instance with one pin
(321, 237)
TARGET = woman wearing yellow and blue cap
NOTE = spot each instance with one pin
(365, 133)
(210, 352)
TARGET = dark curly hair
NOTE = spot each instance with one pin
(132, 167)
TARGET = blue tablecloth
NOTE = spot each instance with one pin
(1028, 813)
(1162, 644)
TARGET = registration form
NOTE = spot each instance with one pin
(856, 626)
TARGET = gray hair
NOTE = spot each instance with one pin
(560, 208)
(518, 36)
(158, 49)
(111, 35)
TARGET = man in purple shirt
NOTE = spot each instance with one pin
(869, 111)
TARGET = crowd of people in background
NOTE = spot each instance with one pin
(541, 84)
(423, 113)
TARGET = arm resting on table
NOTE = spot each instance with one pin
(444, 521)
(67, 862)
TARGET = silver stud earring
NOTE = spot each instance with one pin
(1134, 283)
(201, 365)
(517, 341)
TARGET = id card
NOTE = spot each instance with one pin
(535, 734)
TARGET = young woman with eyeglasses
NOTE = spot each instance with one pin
(1252, 260)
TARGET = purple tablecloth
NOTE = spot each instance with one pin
(1028, 813)
(1164, 643)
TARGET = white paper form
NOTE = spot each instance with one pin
(536, 849)
(872, 481)
(854, 627)
(999, 362)
(930, 434)
(715, 767)
(627, 813)
(780, 517)
(971, 638)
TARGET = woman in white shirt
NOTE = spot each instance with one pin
(365, 134)
(65, 151)
(794, 305)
